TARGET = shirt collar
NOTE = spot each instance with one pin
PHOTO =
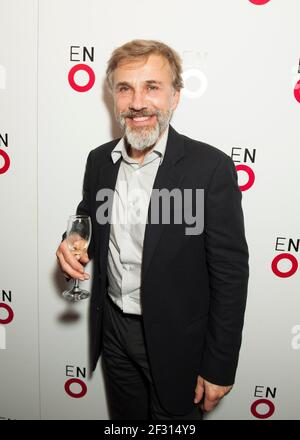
(159, 148)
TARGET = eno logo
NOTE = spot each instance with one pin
(8, 314)
(285, 264)
(259, 2)
(263, 408)
(245, 173)
(194, 79)
(4, 157)
(75, 387)
(81, 76)
(297, 91)
(297, 86)
(6, 317)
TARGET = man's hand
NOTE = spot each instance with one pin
(212, 393)
(72, 265)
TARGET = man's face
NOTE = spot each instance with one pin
(144, 99)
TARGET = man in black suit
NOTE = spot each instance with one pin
(168, 301)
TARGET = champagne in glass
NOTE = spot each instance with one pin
(78, 238)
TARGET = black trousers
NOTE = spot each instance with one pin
(130, 389)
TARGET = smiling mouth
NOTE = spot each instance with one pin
(141, 119)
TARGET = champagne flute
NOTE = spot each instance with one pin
(78, 238)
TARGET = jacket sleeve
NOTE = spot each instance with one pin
(84, 207)
(227, 262)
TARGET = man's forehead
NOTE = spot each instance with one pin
(153, 62)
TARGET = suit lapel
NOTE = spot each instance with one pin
(169, 177)
(107, 179)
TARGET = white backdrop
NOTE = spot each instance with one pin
(241, 63)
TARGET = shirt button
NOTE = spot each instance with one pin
(128, 267)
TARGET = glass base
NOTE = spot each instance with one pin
(75, 294)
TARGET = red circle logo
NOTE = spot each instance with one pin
(297, 91)
(10, 315)
(284, 256)
(6, 165)
(259, 2)
(251, 176)
(268, 414)
(88, 70)
(71, 393)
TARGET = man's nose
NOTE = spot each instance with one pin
(138, 101)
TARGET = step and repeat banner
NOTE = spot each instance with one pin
(241, 61)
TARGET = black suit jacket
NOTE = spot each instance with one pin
(193, 287)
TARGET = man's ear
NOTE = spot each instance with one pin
(175, 99)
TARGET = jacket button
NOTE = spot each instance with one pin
(98, 309)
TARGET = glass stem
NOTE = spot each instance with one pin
(76, 287)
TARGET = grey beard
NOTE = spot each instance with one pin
(145, 138)
(140, 140)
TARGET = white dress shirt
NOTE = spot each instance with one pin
(129, 216)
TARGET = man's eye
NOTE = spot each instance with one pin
(152, 87)
(123, 89)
